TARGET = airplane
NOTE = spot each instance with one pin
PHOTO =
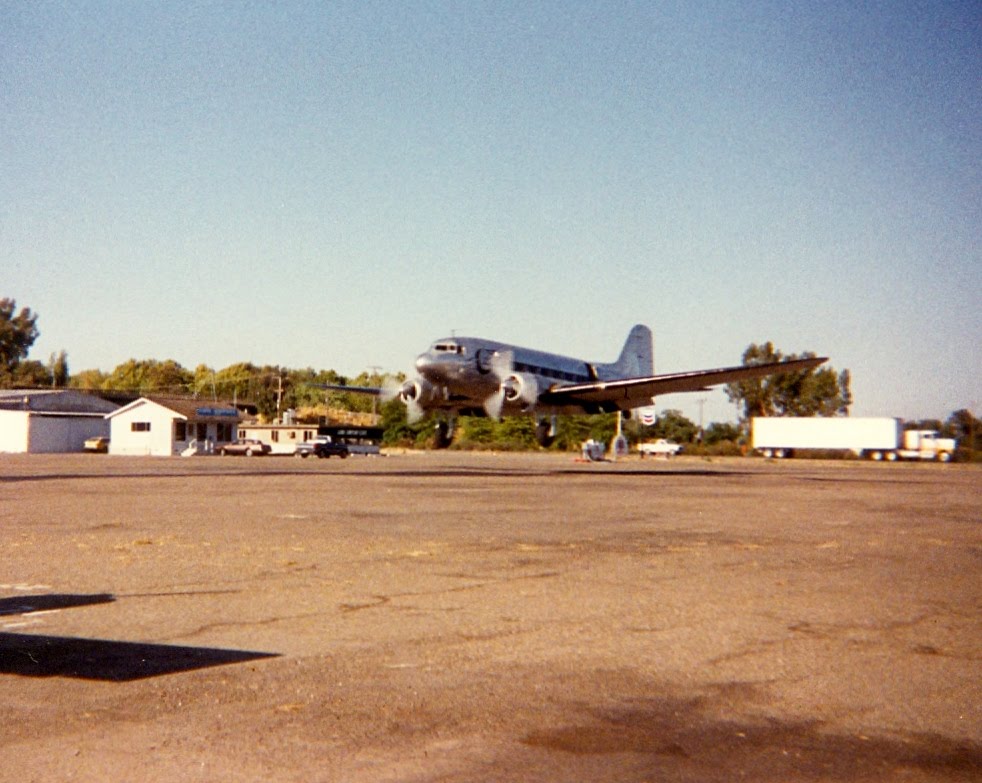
(472, 376)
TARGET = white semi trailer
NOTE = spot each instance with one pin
(876, 438)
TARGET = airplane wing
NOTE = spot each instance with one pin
(373, 390)
(628, 393)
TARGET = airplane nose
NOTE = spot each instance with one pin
(424, 364)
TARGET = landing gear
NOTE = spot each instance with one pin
(444, 433)
(545, 432)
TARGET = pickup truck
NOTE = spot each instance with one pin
(321, 446)
(659, 448)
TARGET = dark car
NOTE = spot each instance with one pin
(328, 449)
(248, 447)
(322, 446)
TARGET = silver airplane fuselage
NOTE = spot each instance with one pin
(463, 373)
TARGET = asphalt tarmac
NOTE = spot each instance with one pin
(455, 617)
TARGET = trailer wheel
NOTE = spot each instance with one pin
(944, 456)
(891, 456)
(876, 456)
(768, 453)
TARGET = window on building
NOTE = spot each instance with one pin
(276, 436)
(201, 430)
(224, 431)
(180, 430)
(140, 426)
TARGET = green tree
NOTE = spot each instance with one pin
(927, 424)
(30, 374)
(90, 380)
(968, 430)
(18, 331)
(671, 425)
(819, 391)
(719, 432)
(516, 432)
(150, 375)
(476, 431)
(572, 431)
(58, 366)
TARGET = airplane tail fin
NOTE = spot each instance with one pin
(636, 359)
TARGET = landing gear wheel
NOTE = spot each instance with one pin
(444, 434)
(545, 432)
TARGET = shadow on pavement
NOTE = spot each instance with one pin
(692, 739)
(25, 604)
(29, 655)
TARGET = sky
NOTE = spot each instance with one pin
(336, 185)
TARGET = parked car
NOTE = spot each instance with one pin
(329, 449)
(99, 444)
(659, 448)
(322, 446)
(250, 447)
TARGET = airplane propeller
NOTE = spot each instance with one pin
(502, 364)
(408, 392)
(391, 388)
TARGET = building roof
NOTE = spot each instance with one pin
(185, 408)
(54, 401)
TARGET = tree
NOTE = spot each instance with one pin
(572, 431)
(90, 380)
(718, 432)
(671, 425)
(819, 391)
(150, 375)
(18, 331)
(963, 425)
(30, 374)
(58, 365)
(966, 428)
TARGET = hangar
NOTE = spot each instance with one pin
(38, 421)
(163, 427)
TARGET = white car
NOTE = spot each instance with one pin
(659, 448)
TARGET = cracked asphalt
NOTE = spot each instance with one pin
(456, 617)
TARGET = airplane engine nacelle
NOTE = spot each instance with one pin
(521, 389)
(419, 391)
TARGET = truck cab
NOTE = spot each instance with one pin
(322, 446)
(659, 448)
(927, 444)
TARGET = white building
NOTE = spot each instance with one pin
(51, 420)
(282, 438)
(163, 427)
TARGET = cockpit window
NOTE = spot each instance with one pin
(446, 348)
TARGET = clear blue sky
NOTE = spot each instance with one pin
(337, 184)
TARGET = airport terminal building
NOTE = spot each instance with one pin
(164, 427)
